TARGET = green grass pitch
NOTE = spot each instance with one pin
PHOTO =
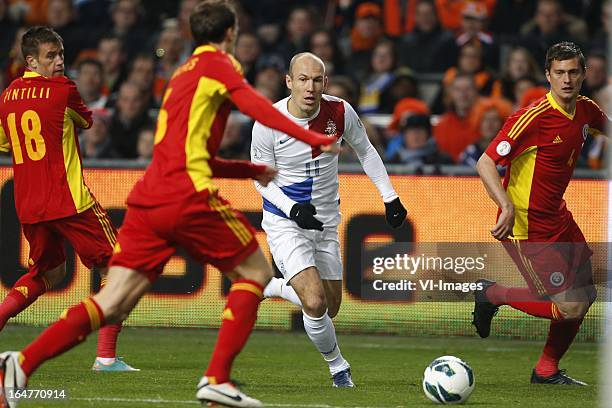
(284, 370)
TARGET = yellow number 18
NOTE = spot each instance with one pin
(34, 141)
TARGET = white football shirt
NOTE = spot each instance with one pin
(305, 174)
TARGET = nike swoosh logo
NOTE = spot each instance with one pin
(236, 397)
(283, 141)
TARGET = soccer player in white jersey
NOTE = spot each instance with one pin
(301, 206)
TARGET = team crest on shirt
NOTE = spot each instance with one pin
(330, 129)
(503, 148)
(585, 131)
(557, 279)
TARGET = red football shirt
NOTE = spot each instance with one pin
(540, 144)
(38, 116)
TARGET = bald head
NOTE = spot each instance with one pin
(306, 80)
(304, 58)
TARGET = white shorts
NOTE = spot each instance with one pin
(295, 249)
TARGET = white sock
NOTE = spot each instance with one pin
(273, 288)
(322, 333)
(106, 360)
(278, 288)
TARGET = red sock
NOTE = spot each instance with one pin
(107, 336)
(71, 329)
(237, 323)
(524, 300)
(26, 290)
(560, 336)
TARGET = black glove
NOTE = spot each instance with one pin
(395, 213)
(303, 215)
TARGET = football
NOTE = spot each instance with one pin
(448, 380)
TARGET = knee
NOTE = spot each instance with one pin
(314, 305)
(574, 311)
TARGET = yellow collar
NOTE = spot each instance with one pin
(30, 74)
(558, 107)
(204, 48)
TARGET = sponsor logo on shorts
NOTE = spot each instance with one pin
(503, 148)
(557, 279)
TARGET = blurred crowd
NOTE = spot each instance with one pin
(434, 80)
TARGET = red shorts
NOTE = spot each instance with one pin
(91, 234)
(204, 224)
(550, 267)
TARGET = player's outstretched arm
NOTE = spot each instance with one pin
(253, 104)
(487, 170)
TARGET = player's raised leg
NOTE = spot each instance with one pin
(565, 309)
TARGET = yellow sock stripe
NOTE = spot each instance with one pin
(555, 311)
(248, 287)
(103, 282)
(92, 311)
(103, 222)
(235, 222)
(526, 119)
(230, 220)
(107, 222)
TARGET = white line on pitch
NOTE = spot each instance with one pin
(192, 402)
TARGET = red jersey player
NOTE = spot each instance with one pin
(176, 203)
(539, 145)
(39, 114)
